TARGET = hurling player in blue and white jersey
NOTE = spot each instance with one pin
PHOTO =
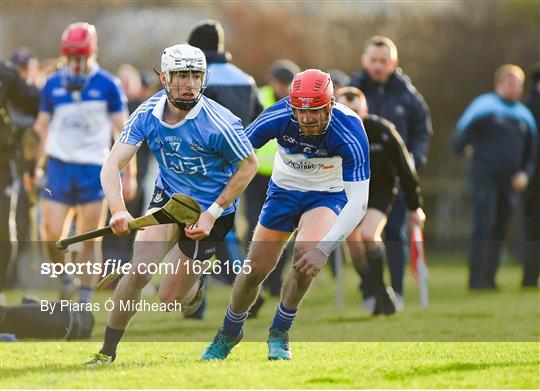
(319, 186)
(81, 108)
(202, 151)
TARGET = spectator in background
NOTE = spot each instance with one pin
(25, 146)
(501, 132)
(280, 76)
(14, 93)
(149, 85)
(531, 261)
(389, 160)
(391, 95)
(26, 64)
(227, 84)
(236, 90)
(81, 108)
(131, 81)
(339, 78)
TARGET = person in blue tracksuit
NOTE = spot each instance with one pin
(501, 132)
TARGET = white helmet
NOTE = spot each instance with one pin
(183, 57)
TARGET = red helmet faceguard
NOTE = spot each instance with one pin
(79, 39)
(312, 90)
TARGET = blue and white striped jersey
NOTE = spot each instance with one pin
(319, 163)
(80, 130)
(196, 156)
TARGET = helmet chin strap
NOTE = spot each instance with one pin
(184, 105)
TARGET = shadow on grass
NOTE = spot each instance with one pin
(429, 370)
(330, 380)
(79, 368)
(349, 319)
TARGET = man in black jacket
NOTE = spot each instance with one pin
(389, 160)
(14, 93)
(391, 95)
(236, 90)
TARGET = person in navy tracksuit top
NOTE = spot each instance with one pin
(501, 132)
(391, 95)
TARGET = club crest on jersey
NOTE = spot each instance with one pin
(158, 197)
(195, 146)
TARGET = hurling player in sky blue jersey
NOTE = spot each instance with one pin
(319, 186)
(202, 151)
(82, 108)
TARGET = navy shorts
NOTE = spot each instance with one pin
(197, 249)
(282, 208)
(382, 196)
(72, 183)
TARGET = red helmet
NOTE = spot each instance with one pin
(311, 89)
(79, 39)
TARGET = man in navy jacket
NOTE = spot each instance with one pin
(391, 95)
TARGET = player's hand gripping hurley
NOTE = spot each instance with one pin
(180, 209)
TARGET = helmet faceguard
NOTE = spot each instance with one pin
(78, 45)
(183, 59)
(312, 90)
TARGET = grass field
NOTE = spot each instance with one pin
(464, 340)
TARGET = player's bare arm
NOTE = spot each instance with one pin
(117, 159)
(41, 127)
(247, 169)
(129, 179)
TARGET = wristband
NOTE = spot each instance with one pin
(327, 247)
(215, 210)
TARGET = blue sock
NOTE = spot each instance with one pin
(84, 294)
(233, 323)
(284, 318)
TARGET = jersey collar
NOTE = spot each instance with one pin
(160, 106)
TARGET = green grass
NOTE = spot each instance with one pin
(463, 340)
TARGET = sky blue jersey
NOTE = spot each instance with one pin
(196, 156)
